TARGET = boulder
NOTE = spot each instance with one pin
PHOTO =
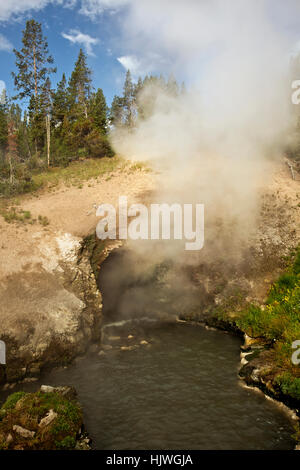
(50, 416)
(23, 432)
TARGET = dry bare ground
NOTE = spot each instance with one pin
(279, 226)
(50, 307)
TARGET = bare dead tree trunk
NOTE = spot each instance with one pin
(35, 90)
(27, 143)
(11, 172)
(35, 74)
(291, 169)
(48, 138)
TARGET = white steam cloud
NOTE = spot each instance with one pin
(215, 143)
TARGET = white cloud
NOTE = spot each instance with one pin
(150, 62)
(130, 62)
(94, 8)
(14, 8)
(76, 37)
(5, 44)
(2, 86)
(11, 9)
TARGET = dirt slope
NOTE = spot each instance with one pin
(50, 307)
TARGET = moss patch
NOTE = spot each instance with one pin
(27, 410)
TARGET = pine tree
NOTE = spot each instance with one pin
(3, 98)
(3, 131)
(34, 67)
(172, 86)
(162, 82)
(37, 131)
(79, 88)
(138, 88)
(137, 91)
(22, 139)
(39, 109)
(46, 98)
(32, 61)
(15, 115)
(128, 100)
(116, 114)
(98, 111)
(46, 110)
(60, 104)
(12, 150)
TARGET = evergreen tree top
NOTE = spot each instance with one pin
(32, 61)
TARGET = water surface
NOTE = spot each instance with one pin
(181, 391)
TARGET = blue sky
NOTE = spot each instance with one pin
(182, 37)
(67, 30)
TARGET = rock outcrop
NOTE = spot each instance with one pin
(58, 312)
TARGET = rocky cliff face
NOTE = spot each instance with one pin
(58, 311)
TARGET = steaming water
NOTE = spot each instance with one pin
(180, 390)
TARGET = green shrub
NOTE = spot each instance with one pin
(12, 400)
(43, 220)
(285, 282)
(296, 265)
(279, 319)
(289, 385)
(13, 214)
(67, 443)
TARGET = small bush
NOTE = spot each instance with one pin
(67, 443)
(12, 400)
(296, 265)
(43, 220)
(289, 385)
(13, 214)
(281, 286)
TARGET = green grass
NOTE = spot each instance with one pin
(139, 166)
(279, 318)
(13, 214)
(78, 172)
(289, 385)
(75, 174)
(12, 401)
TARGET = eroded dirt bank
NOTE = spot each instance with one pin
(50, 306)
